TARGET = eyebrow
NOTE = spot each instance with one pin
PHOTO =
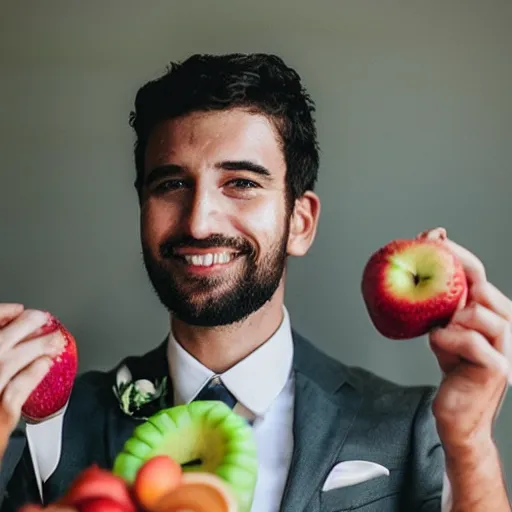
(162, 171)
(244, 165)
(168, 170)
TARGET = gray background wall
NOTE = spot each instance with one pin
(414, 116)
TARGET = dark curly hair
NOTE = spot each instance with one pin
(259, 82)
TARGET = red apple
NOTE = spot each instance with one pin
(412, 286)
(99, 505)
(95, 483)
(52, 393)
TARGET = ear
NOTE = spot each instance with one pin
(303, 224)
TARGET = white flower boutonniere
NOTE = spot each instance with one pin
(139, 399)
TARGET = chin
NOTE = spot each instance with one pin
(208, 318)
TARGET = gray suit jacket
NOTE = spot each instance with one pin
(341, 413)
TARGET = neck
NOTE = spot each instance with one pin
(220, 348)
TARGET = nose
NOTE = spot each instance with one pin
(202, 215)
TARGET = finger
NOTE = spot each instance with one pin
(447, 361)
(507, 351)
(25, 353)
(471, 346)
(20, 388)
(473, 267)
(432, 234)
(489, 296)
(9, 312)
(26, 323)
(484, 321)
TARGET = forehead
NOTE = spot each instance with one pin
(201, 139)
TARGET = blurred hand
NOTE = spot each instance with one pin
(25, 358)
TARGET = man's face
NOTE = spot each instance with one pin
(214, 221)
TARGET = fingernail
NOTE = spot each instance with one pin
(57, 344)
(39, 317)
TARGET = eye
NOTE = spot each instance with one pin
(169, 185)
(243, 183)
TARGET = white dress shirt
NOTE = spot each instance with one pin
(262, 383)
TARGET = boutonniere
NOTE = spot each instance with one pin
(141, 398)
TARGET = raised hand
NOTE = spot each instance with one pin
(24, 361)
(474, 352)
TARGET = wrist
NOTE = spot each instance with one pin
(473, 451)
(476, 478)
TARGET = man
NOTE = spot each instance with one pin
(226, 158)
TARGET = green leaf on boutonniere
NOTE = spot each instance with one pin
(141, 398)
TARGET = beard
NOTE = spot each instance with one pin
(215, 301)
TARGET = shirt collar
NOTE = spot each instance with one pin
(255, 381)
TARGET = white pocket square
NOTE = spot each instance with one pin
(353, 472)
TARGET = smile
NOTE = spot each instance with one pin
(209, 259)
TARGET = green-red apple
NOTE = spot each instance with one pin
(412, 286)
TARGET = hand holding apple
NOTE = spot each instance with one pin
(38, 363)
(431, 285)
(474, 352)
(469, 325)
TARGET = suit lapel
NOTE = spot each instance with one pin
(321, 424)
(13, 465)
(120, 426)
(12, 456)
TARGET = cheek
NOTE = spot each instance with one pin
(263, 219)
(156, 222)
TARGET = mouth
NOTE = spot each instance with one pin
(200, 261)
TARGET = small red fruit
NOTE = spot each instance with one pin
(52, 393)
(155, 478)
(94, 483)
(412, 286)
(99, 505)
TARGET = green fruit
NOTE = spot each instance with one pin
(205, 431)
